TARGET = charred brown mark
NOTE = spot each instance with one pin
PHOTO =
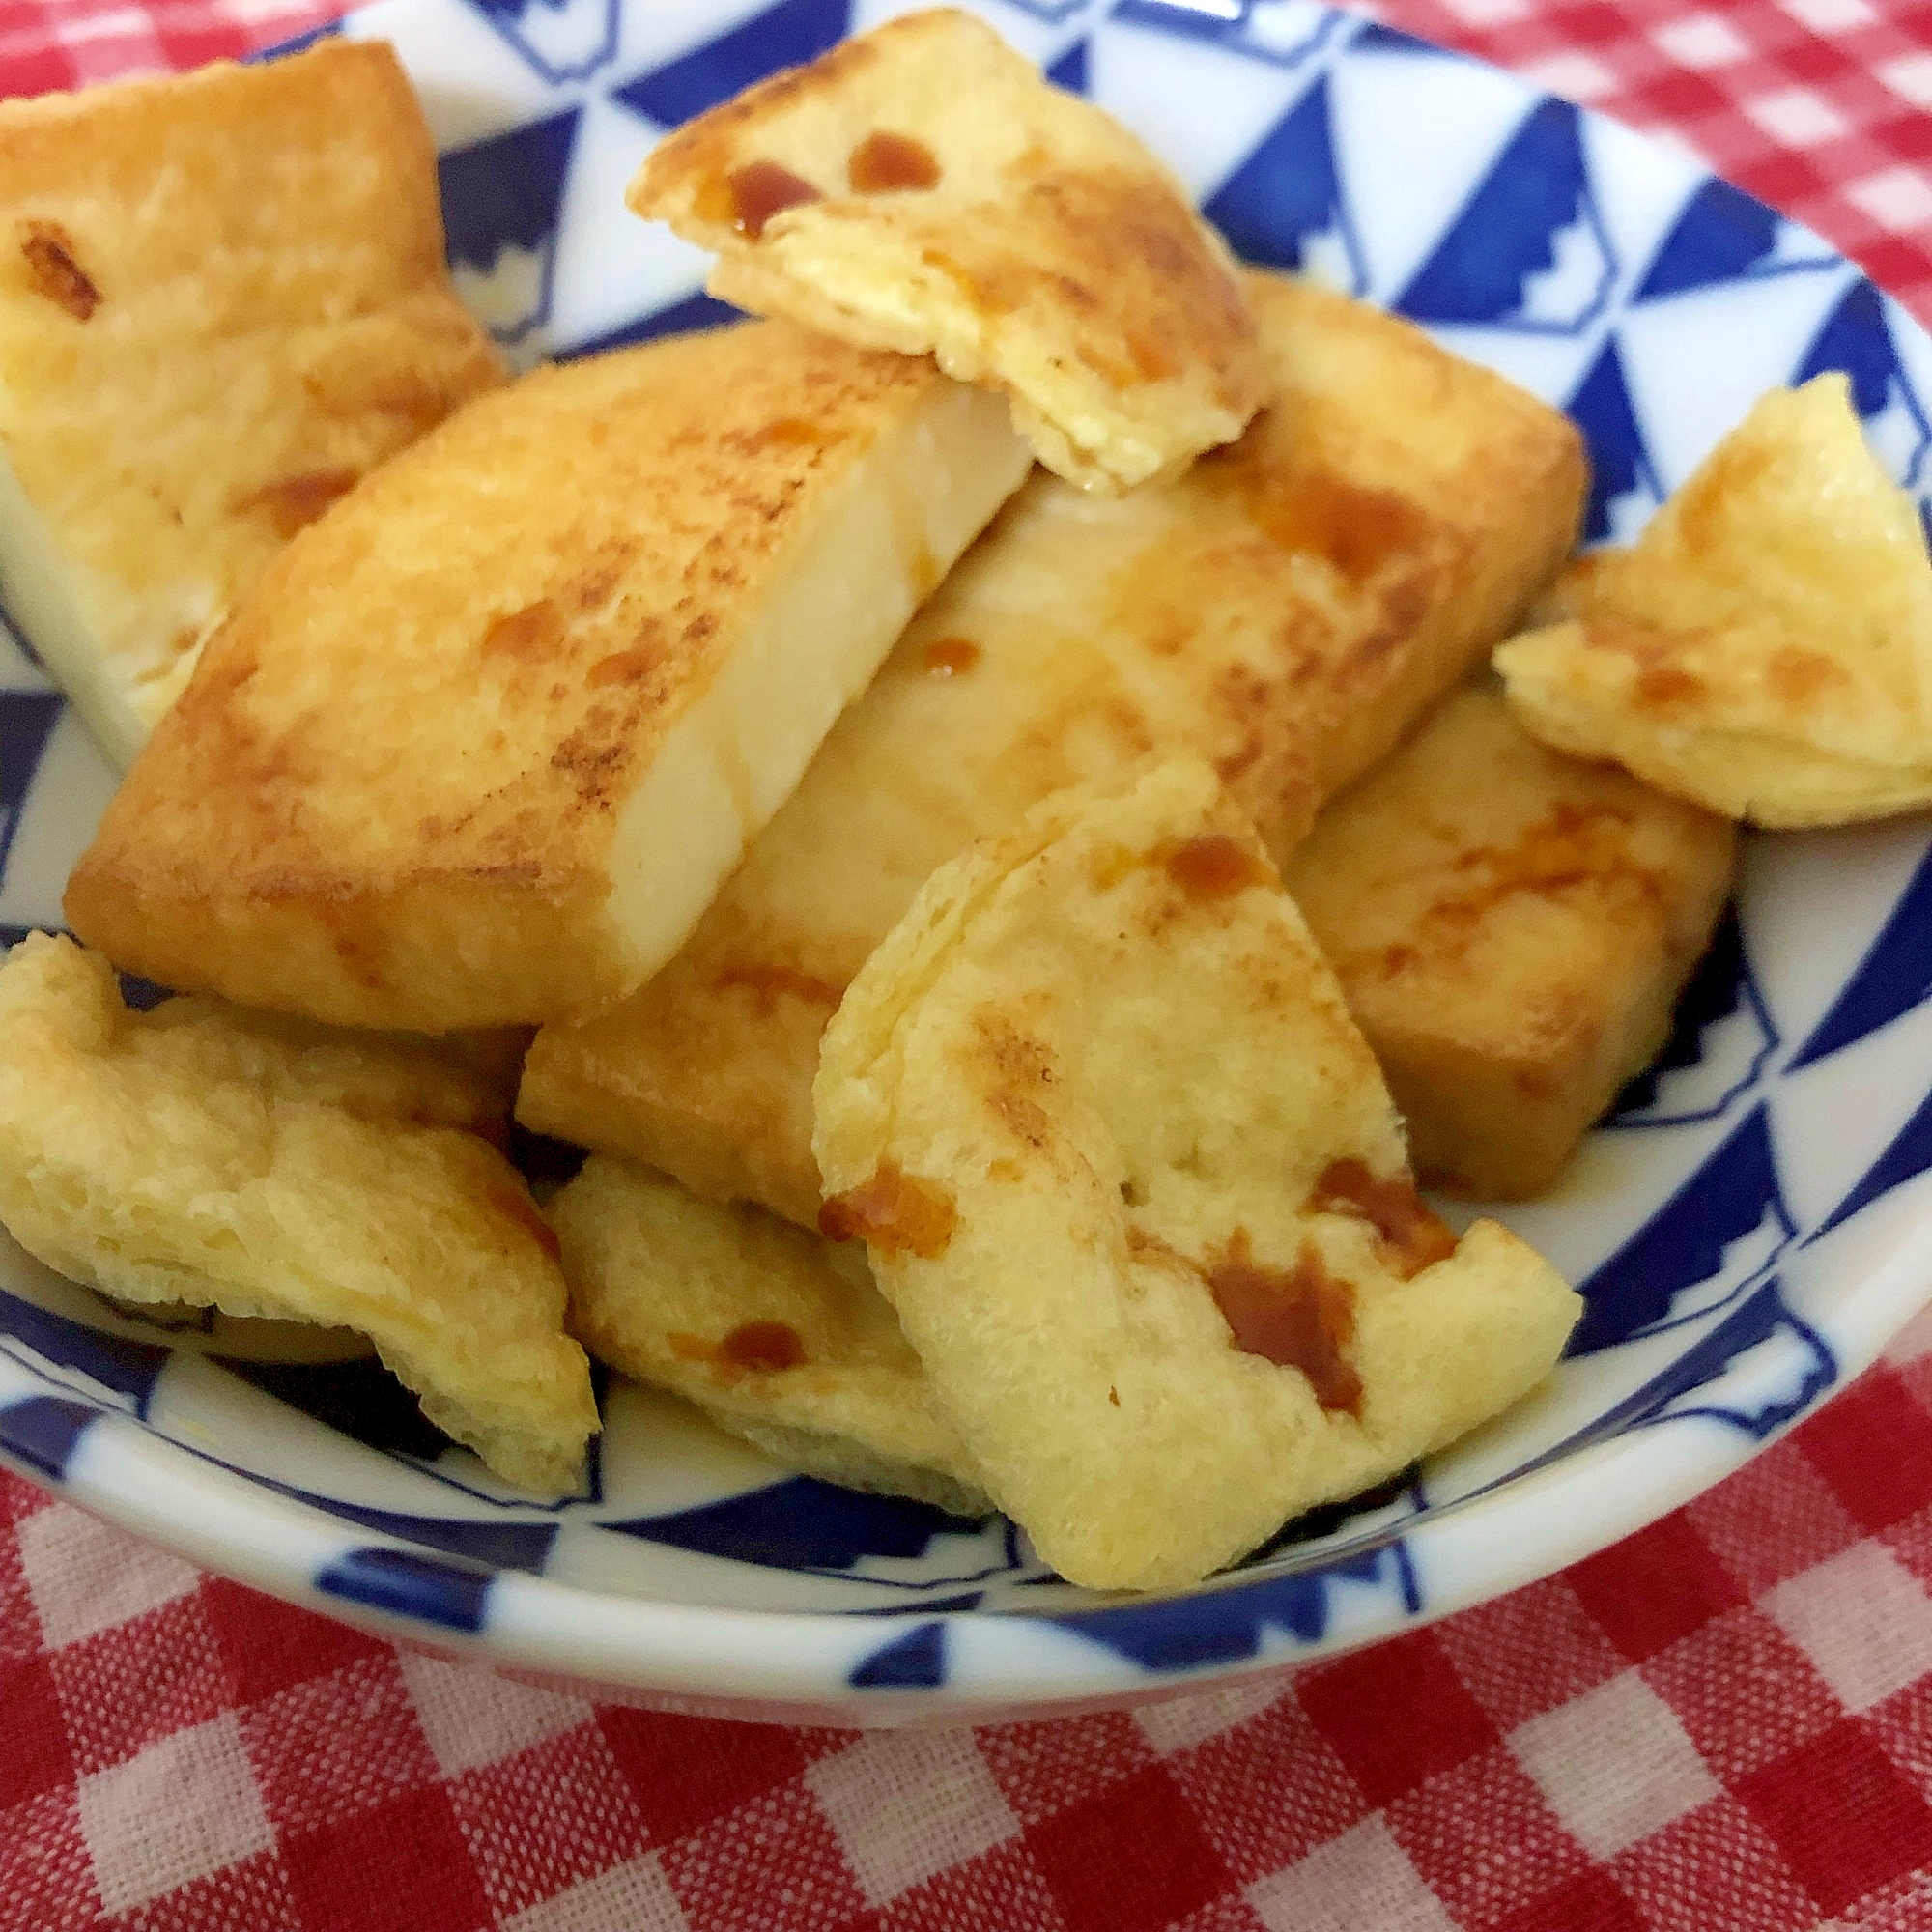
(749, 197)
(1668, 684)
(1211, 866)
(950, 657)
(630, 666)
(533, 631)
(894, 1213)
(887, 163)
(1412, 1235)
(1298, 1318)
(55, 271)
(292, 503)
(785, 433)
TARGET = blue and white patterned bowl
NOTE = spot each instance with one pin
(1749, 1229)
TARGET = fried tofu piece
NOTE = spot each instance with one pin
(921, 187)
(197, 1154)
(776, 1333)
(1510, 929)
(1765, 648)
(222, 301)
(1285, 609)
(481, 744)
(1130, 1176)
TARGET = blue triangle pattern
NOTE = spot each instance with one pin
(1712, 1239)
(1374, 37)
(559, 39)
(27, 720)
(1721, 1029)
(1723, 235)
(1174, 1635)
(916, 1661)
(507, 193)
(695, 311)
(361, 1399)
(1624, 484)
(1857, 339)
(43, 1431)
(1232, 28)
(1889, 982)
(1069, 70)
(801, 1523)
(792, 32)
(401, 1582)
(128, 1369)
(1908, 1156)
(1530, 250)
(1287, 192)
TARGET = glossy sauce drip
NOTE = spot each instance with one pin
(762, 1345)
(752, 194)
(1355, 530)
(884, 163)
(894, 1213)
(950, 657)
(1211, 866)
(1297, 1317)
(1668, 684)
(1412, 1233)
(56, 274)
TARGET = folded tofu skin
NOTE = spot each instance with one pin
(222, 303)
(1130, 1176)
(777, 1333)
(483, 741)
(1510, 929)
(1285, 609)
(265, 1167)
(1765, 648)
(924, 188)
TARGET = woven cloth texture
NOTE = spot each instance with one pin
(1723, 1724)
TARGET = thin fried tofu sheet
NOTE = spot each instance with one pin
(1130, 1176)
(267, 1167)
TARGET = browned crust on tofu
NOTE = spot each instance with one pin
(1510, 929)
(413, 742)
(1286, 609)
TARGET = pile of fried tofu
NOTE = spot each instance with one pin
(979, 796)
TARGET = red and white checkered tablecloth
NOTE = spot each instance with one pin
(1723, 1724)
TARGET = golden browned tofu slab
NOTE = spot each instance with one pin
(1284, 609)
(481, 744)
(222, 301)
(1129, 1175)
(1765, 648)
(203, 1155)
(1510, 929)
(777, 1334)
(921, 187)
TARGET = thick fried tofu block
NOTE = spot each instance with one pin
(1130, 1176)
(776, 1333)
(1285, 609)
(1510, 929)
(1765, 648)
(480, 745)
(263, 1167)
(222, 301)
(921, 187)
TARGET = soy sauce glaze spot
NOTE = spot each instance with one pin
(748, 197)
(1297, 1317)
(894, 1212)
(1412, 1233)
(884, 163)
(55, 271)
(950, 657)
(762, 1345)
(1211, 866)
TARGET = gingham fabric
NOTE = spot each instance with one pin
(1722, 1725)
